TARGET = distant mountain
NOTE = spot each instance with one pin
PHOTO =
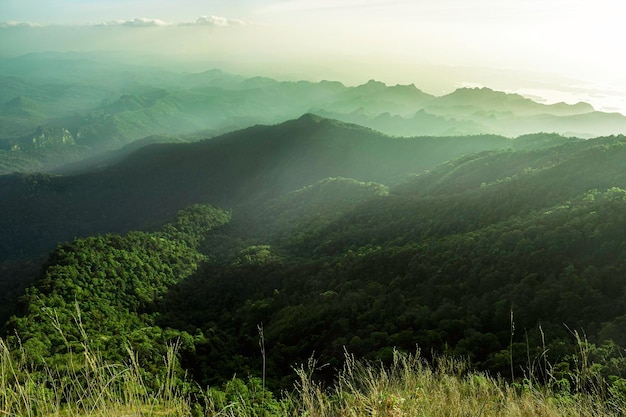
(211, 78)
(106, 104)
(425, 123)
(108, 158)
(322, 236)
(514, 115)
(376, 97)
(487, 99)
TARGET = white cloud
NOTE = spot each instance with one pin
(139, 22)
(19, 25)
(214, 21)
(142, 22)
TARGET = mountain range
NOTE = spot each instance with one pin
(326, 236)
(431, 241)
(83, 105)
(148, 186)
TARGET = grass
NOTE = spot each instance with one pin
(89, 386)
(85, 386)
(411, 387)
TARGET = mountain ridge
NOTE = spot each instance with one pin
(241, 170)
(251, 163)
(104, 113)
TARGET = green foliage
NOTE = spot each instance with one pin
(254, 255)
(408, 386)
(343, 264)
(115, 282)
(194, 222)
(422, 278)
(86, 384)
(246, 398)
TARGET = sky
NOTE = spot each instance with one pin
(554, 50)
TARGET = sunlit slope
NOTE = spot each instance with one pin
(438, 268)
(150, 185)
(242, 168)
(439, 261)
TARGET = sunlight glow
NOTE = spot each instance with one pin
(355, 39)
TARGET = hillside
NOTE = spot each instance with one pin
(337, 239)
(150, 185)
(443, 270)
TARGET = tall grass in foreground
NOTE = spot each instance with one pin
(411, 387)
(85, 386)
(89, 386)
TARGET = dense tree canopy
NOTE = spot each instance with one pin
(502, 257)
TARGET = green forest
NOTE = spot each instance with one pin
(262, 258)
(509, 257)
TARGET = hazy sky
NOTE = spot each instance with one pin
(351, 40)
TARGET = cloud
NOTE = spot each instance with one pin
(217, 35)
(142, 22)
(137, 23)
(214, 21)
(19, 25)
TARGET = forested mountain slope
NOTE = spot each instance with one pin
(500, 255)
(151, 185)
(147, 187)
